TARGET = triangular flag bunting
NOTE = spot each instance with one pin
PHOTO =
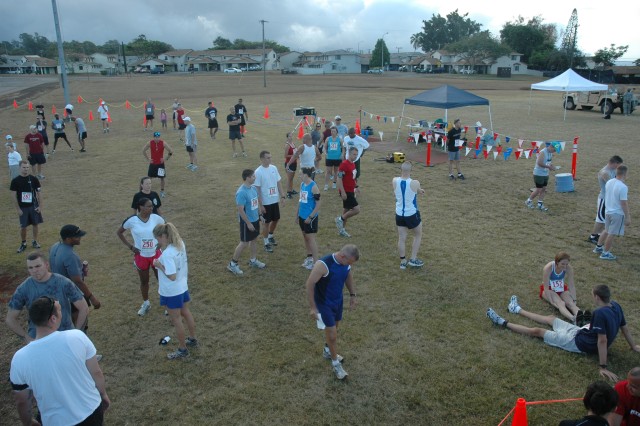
(518, 152)
(495, 136)
(378, 118)
(562, 145)
(477, 152)
(520, 142)
(385, 119)
(53, 109)
(495, 154)
(486, 154)
(499, 149)
(381, 134)
(489, 148)
(507, 139)
(127, 105)
(467, 151)
(79, 99)
(393, 119)
(15, 104)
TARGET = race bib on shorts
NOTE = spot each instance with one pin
(161, 172)
(27, 197)
(557, 285)
(303, 196)
(254, 203)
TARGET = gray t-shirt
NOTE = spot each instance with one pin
(57, 287)
(64, 260)
(190, 136)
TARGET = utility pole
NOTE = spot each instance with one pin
(124, 59)
(398, 48)
(264, 58)
(63, 66)
(382, 50)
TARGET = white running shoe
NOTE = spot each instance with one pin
(343, 232)
(495, 318)
(326, 354)
(257, 264)
(340, 373)
(415, 263)
(144, 308)
(235, 269)
(339, 223)
(326, 187)
(514, 307)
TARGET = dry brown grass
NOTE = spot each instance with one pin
(418, 348)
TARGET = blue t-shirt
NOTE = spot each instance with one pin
(248, 197)
(64, 260)
(57, 287)
(307, 203)
(605, 320)
(328, 290)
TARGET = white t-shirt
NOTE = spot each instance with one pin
(14, 158)
(174, 262)
(142, 233)
(104, 112)
(356, 141)
(615, 192)
(54, 369)
(267, 179)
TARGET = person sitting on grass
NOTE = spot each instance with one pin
(599, 400)
(558, 289)
(606, 321)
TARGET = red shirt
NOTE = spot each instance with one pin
(157, 152)
(348, 170)
(35, 143)
(628, 405)
(179, 115)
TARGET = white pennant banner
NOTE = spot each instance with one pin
(520, 142)
(381, 134)
(489, 148)
(495, 154)
(467, 153)
(562, 145)
(526, 153)
(393, 119)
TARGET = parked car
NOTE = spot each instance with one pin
(467, 71)
(375, 71)
(232, 70)
(157, 71)
(403, 68)
(141, 70)
(255, 68)
(288, 71)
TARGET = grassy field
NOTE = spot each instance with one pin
(418, 348)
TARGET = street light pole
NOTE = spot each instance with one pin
(359, 46)
(264, 58)
(63, 66)
(382, 50)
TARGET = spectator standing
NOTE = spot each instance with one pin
(13, 158)
(157, 168)
(191, 143)
(103, 110)
(35, 150)
(28, 203)
(617, 214)
(59, 132)
(605, 174)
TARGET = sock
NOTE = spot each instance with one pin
(253, 259)
(266, 241)
(234, 262)
(270, 235)
(539, 202)
(599, 245)
(309, 256)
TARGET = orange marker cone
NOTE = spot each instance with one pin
(90, 115)
(53, 109)
(357, 127)
(144, 121)
(266, 112)
(127, 105)
(100, 101)
(520, 413)
(15, 104)
(300, 132)
(30, 106)
(109, 117)
(79, 99)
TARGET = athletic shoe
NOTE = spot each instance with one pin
(268, 248)
(542, 207)
(83, 150)
(54, 151)
(339, 223)
(144, 308)
(598, 249)
(235, 155)
(607, 256)
(40, 176)
(244, 154)
(35, 244)
(340, 373)
(415, 263)
(308, 263)
(587, 317)
(460, 176)
(326, 187)
(343, 232)
(403, 264)
(234, 268)
(331, 177)
(189, 166)
(194, 168)
(495, 318)
(334, 186)
(593, 239)
(529, 204)
(319, 171)
(256, 264)
(514, 307)
(326, 354)
(294, 192)
(192, 341)
(22, 248)
(289, 194)
(452, 177)
(179, 353)
(272, 241)
(162, 194)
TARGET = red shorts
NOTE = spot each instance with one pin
(549, 288)
(145, 263)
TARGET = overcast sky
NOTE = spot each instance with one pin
(300, 25)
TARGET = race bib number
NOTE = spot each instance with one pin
(459, 142)
(303, 196)
(161, 172)
(240, 111)
(147, 244)
(149, 111)
(58, 126)
(272, 191)
(355, 172)
(212, 115)
(557, 285)
(333, 146)
(254, 203)
(39, 128)
(27, 197)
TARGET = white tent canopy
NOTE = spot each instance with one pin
(568, 81)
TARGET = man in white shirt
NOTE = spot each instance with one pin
(616, 213)
(270, 194)
(354, 140)
(103, 110)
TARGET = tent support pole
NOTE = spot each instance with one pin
(400, 124)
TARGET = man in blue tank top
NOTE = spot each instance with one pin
(324, 291)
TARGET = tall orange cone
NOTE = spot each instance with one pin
(15, 104)
(127, 105)
(53, 109)
(90, 115)
(30, 106)
(357, 127)
(109, 117)
(520, 413)
(266, 112)
(300, 132)
(79, 99)
(100, 101)
(144, 121)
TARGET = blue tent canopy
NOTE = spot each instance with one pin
(446, 97)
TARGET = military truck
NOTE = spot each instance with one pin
(607, 100)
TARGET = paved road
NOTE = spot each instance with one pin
(13, 83)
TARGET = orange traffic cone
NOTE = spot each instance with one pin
(100, 101)
(357, 127)
(15, 104)
(109, 117)
(127, 105)
(53, 109)
(90, 115)
(300, 132)
(520, 413)
(79, 99)
(266, 112)
(144, 122)
(30, 106)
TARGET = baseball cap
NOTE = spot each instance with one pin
(156, 134)
(32, 127)
(69, 107)
(338, 117)
(186, 118)
(9, 137)
(103, 102)
(71, 231)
